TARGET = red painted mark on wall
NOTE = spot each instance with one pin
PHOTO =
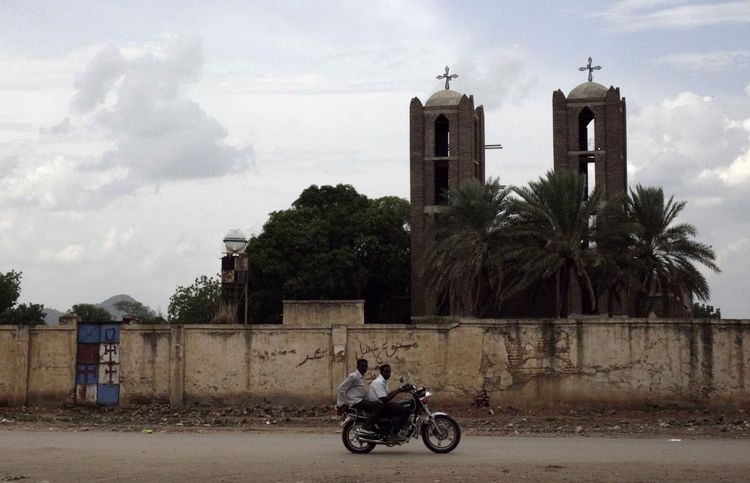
(110, 353)
(110, 372)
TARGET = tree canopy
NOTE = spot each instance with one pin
(553, 230)
(196, 303)
(333, 243)
(144, 313)
(90, 313)
(21, 314)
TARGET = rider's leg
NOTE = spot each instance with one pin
(373, 408)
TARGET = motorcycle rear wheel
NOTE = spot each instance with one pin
(445, 437)
(349, 437)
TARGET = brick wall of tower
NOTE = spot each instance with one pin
(609, 151)
(417, 194)
(559, 130)
(463, 120)
(480, 156)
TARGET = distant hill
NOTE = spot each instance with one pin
(53, 316)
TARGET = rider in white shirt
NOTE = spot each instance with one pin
(351, 392)
(379, 391)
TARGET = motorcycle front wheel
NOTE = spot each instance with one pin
(443, 436)
(349, 437)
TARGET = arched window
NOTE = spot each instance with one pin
(587, 142)
(442, 136)
(586, 130)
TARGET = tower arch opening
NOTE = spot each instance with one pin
(442, 136)
(587, 142)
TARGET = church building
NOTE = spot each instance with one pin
(447, 147)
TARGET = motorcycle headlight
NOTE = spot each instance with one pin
(426, 396)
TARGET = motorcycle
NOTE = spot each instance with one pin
(440, 433)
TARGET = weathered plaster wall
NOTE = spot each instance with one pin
(323, 312)
(14, 344)
(52, 363)
(524, 362)
(145, 370)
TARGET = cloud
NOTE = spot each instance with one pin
(68, 254)
(160, 135)
(708, 61)
(495, 79)
(691, 146)
(131, 127)
(635, 15)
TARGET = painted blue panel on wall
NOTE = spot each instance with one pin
(110, 333)
(87, 373)
(107, 394)
(88, 333)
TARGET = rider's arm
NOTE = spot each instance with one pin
(391, 395)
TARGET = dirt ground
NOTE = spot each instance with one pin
(497, 421)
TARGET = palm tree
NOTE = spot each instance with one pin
(462, 265)
(551, 225)
(665, 252)
(615, 267)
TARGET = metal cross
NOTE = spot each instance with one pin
(447, 78)
(590, 69)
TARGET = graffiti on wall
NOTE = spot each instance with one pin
(318, 354)
(382, 353)
(266, 355)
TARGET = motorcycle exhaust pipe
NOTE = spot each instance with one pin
(368, 440)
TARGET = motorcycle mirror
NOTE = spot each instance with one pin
(401, 379)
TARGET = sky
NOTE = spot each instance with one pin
(135, 135)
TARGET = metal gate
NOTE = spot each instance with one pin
(98, 364)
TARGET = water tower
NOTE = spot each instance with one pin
(234, 276)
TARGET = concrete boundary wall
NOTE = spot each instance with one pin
(618, 362)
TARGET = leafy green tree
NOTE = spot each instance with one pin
(550, 226)
(10, 289)
(144, 313)
(196, 303)
(704, 311)
(90, 313)
(333, 243)
(464, 264)
(23, 314)
(665, 251)
(10, 313)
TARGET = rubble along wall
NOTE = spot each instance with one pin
(616, 362)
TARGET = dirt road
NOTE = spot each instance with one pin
(295, 456)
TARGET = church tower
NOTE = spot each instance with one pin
(588, 129)
(446, 138)
(589, 134)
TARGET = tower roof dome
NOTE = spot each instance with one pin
(444, 97)
(588, 90)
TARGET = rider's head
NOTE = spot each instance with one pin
(385, 371)
(362, 366)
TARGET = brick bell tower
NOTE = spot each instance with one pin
(446, 138)
(589, 136)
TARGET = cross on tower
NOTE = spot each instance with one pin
(590, 69)
(447, 77)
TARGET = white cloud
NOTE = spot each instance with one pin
(160, 135)
(68, 254)
(131, 127)
(707, 61)
(497, 77)
(634, 15)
